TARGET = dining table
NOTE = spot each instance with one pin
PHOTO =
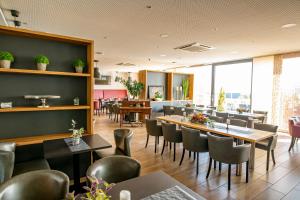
(156, 185)
(241, 133)
(64, 147)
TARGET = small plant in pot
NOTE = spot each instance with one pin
(76, 133)
(41, 62)
(6, 59)
(79, 65)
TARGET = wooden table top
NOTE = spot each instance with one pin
(131, 108)
(246, 134)
(147, 185)
(59, 148)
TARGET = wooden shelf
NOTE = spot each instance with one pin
(30, 71)
(36, 139)
(34, 109)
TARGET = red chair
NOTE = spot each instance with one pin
(294, 130)
(96, 107)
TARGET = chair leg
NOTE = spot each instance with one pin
(273, 157)
(162, 151)
(190, 153)
(220, 166)
(229, 176)
(209, 167)
(155, 144)
(183, 151)
(215, 164)
(268, 159)
(197, 170)
(170, 146)
(174, 152)
(147, 141)
(247, 171)
(157, 139)
(292, 143)
(194, 156)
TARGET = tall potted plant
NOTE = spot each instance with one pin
(6, 59)
(134, 87)
(185, 87)
(221, 100)
(79, 65)
(41, 62)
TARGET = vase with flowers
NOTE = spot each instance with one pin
(199, 118)
(76, 133)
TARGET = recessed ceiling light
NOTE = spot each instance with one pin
(163, 55)
(288, 25)
(164, 35)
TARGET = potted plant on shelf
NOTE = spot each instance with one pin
(79, 65)
(76, 133)
(6, 59)
(185, 87)
(158, 96)
(41, 62)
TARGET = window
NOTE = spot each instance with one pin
(235, 79)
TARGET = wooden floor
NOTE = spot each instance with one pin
(281, 182)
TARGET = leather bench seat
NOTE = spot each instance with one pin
(32, 165)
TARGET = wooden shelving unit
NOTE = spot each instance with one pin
(52, 108)
(29, 71)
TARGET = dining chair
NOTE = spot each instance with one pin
(267, 144)
(153, 129)
(224, 115)
(245, 117)
(193, 141)
(122, 141)
(238, 122)
(216, 119)
(115, 169)
(41, 184)
(189, 111)
(294, 131)
(179, 110)
(262, 119)
(110, 110)
(7, 160)
(96, 107)
(168, 110)
(221, 149)
(171, 135)
(116, 111)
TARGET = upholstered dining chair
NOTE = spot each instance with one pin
(193, 141)
(115, 169)
(168, 110)
(221, 149)
(238, 122)
(110, 110)
(178, 110)
(153, 129)
(7, 160)
(267, 144)
(41, 184)
(224, 115)
(216, 119)
(262, 119)
(171, 135)
(116, 111)
(122, 141)
(294, 130)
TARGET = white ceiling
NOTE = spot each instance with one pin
(128, 31)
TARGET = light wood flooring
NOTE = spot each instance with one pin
(281, 182)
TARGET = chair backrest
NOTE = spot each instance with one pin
(170, 133)
(264, 118)
(123, 140)
(116, 108)
(216, 119)
(152, 127)
(41, 184)
(8, 146)
(224, 115)
(238, 122)
(168, 110)
(193, 140)
(115, 169)
(189, 111)
(270, 128)
(7, 162)
(219, 147)
(179, 111)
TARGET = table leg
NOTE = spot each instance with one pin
(76, 172)
(252, 155)
(121, 119)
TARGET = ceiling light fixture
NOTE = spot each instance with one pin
(288, 25)
(99, 52)
(164, 35)
(163, 55)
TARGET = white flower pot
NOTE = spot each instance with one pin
(76, 141)
(41, 66)
(79, 69)
(5, 64)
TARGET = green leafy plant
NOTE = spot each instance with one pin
(4, 55)
(185, 87)
(158, 95)
(134, 88)
(221, 100)
(98, 190)
(42, 59)
(79, 63)
(76, 132)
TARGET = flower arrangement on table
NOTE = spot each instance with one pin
(199, 118)
(98, 190)
(76, 133)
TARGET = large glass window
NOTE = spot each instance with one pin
(202, 90)
(235, 80)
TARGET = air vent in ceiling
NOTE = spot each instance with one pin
(194, 47)
(125, 64)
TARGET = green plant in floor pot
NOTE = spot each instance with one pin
(221, 100)
(6, 59)
(134, 88)
(185, 87)
(41, 62)
(79, 65)
(76, 133)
